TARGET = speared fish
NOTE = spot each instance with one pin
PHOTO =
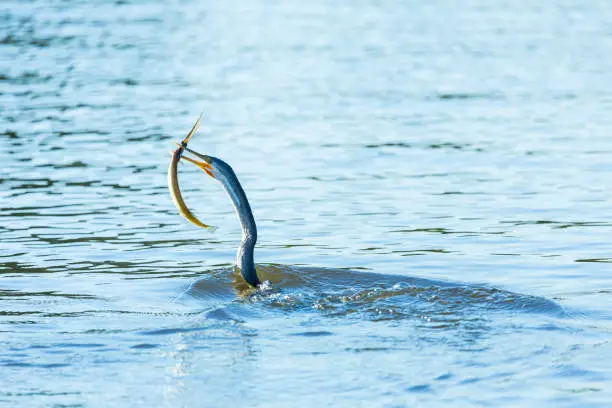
(173, 184)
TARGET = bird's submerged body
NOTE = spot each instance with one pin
(345, 292)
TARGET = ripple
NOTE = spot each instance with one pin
(467, 96)
(25, 78)
(321, 333)
(596, 260)
(145, 346)
(369, 296)
(7, 294)
(442, 145)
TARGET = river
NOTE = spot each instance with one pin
(431, 182)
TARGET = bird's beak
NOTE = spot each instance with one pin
(204, 163)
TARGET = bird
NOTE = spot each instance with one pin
(324, 279)
(222, 172)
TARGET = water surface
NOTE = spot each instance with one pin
(430, 182)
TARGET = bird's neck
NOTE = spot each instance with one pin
(245, 260)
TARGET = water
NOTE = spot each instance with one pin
(430, 182)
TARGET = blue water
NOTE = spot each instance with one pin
(430, 181)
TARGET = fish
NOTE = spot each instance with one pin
(173, 183)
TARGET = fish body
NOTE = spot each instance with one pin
(173, 183)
